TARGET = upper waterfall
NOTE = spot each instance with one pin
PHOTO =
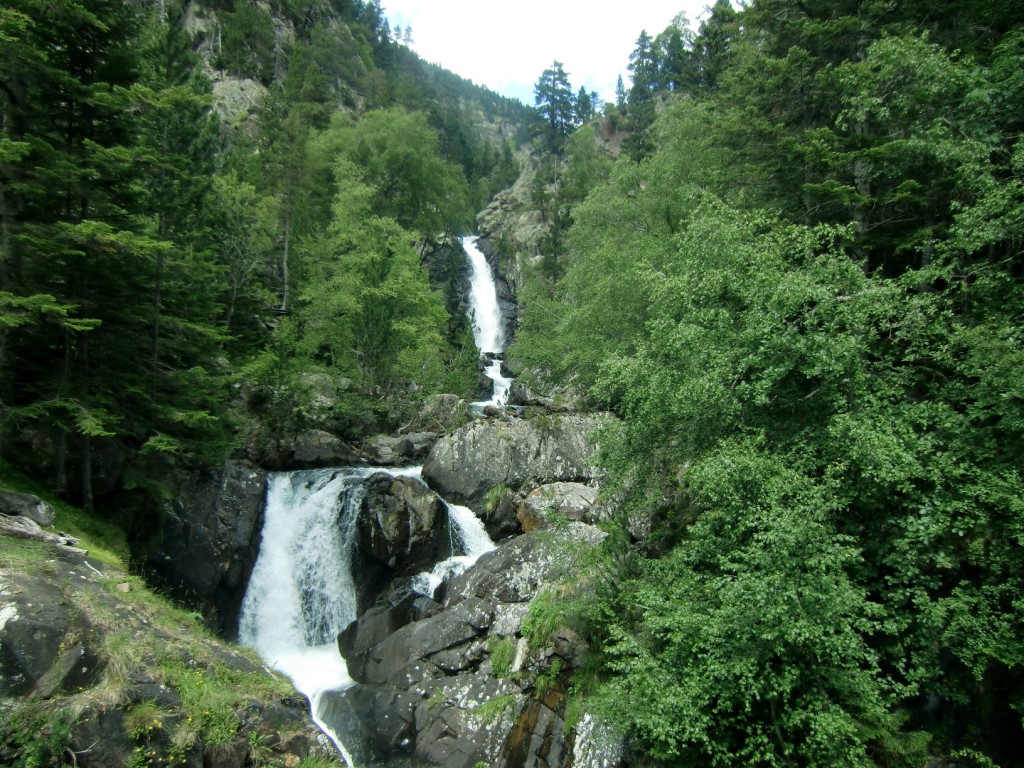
(488, 322)
(488, 330)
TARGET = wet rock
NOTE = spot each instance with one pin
(207, 538)
(403, 525)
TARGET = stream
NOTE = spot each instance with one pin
(301, 594)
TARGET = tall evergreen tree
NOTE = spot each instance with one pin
(553, 98)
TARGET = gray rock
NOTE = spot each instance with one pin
(235, 99)
(466, 464)
(421, 640)
(515, 571)
(403, 525)
(567, 501)
(207, 538)
(317, 448)
(26, 505)
(454, 727)
(401, 450)
(34, 622)
(597, 745)
(443, 413)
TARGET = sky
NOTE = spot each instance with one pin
(506, 45)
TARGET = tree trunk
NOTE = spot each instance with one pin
(284, 259)
(87, 500)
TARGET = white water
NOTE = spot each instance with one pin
(301, 593)
(488, 324)
(483, 302)
(472, 540)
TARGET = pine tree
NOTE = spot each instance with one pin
(554, 101)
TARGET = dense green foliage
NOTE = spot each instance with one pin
(155, 260)
(802, 292)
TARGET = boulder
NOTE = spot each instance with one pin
(317, 448)
(26, 505)
(403, 525)
(399, 450)
(520, 394)
(36, 623)
(565, 501)
(558, 447)
(206, 540)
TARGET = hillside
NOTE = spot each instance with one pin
(786, 260)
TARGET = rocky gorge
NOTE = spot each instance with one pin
(453, 671)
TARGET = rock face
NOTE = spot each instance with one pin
(436, 680)
(567, 501)
(466, 464)
(403, 525)
(207, 539)
(74, 648)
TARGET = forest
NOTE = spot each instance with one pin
(788, 257)
(799, 286)
(162, 265)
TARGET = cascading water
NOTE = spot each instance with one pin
(472, 540)
(488, 323)
(301, 593)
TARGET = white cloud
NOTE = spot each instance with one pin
(505, 46)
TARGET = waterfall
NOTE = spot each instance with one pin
(302, 594)
(488, 323)
(483, 302)
(472, 540)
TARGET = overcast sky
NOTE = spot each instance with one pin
(506, 45)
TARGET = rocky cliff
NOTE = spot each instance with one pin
(97, 671)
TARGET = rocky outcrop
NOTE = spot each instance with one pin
(466, 464)
(457, 683)
(556, 501)
(95, 672)
(206, 539)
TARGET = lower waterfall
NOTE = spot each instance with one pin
(301, 593)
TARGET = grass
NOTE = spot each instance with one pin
(503, 654)
(132, 631)
(105, 541)
(547, 614)
(494, 497)
(493, 710)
